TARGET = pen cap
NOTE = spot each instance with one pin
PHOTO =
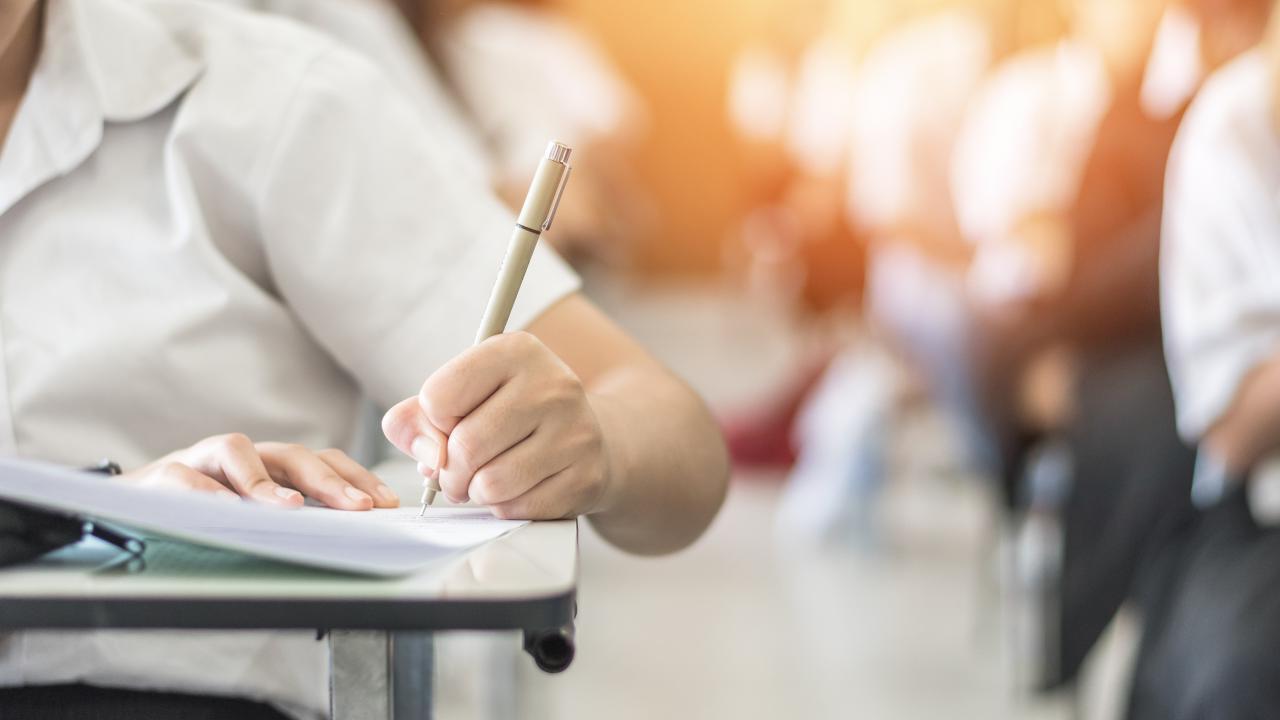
(545, 190)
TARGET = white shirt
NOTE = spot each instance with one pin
(912, 91)
(822, 106)
(216, 222)
(375, 29)
(1220, 255)
(1022, 151)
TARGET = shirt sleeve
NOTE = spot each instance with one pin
(1220, 252)
(378, 234)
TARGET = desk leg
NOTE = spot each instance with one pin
(413, 661)
(359, 677)
(380, 676)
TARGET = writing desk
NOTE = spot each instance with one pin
(377, 628)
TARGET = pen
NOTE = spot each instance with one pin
(535, 218)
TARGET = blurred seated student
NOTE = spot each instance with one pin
(909, 93)
(504, 57)
(1080, 235)
(789, 102)
(1209, 644)
(219, 231)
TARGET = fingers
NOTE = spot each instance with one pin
(566, 494)
(407, 428)
(403, 423)
(498, 425)
(301, 469)
(516, 471)
(233, 460)
(356, 474)
(463, 383)
(179, 476)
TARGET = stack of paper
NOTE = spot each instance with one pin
(376, 542)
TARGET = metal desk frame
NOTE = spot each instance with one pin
(379, 630)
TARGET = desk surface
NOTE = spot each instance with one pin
(526, 579)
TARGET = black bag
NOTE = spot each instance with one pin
(26, 533)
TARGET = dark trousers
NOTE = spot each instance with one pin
(85, 702)
(1130, 495)
(1211, 638)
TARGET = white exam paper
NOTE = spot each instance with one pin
(378, 542)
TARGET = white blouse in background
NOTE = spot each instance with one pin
(912, 91)
(1021, 152)
(526, 76)
(1220, 257)
(214, 222)
(808, 108)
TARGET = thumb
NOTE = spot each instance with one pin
(408, 429)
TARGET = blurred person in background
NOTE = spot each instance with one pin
(524, 75)
(789, 100)
(1059, 180)
(1210, 637)
(911, 89)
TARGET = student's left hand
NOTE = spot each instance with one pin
(521, 434)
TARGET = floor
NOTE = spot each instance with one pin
(742, 626)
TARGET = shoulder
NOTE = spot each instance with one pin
(252, 59)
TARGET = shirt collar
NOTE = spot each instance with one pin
(134, 63)
(100, 61)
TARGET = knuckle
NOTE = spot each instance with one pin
(522, 341)
(427, 400)
(235, 441)
(566, 387)
(455, 485)
(174, 473)
(331, 454)
(483, 487)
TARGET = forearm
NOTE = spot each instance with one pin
(668, 468)
(1250, 429)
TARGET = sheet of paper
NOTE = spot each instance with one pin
(379, 542)
(449, 526)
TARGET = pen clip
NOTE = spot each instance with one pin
(133, 545)
(555, 203)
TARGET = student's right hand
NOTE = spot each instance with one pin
(268, 472)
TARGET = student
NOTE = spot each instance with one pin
(1087, 230)
(1096, 296)
(1209, 644)
(219, 230)
(909, 94)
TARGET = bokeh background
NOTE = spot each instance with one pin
(908, 250)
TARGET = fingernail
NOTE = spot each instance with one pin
(286, 493)
(386, 494)
(357, 494)
(425, 450)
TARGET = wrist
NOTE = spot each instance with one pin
(613, 451)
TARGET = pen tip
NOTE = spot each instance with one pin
(422, 511)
